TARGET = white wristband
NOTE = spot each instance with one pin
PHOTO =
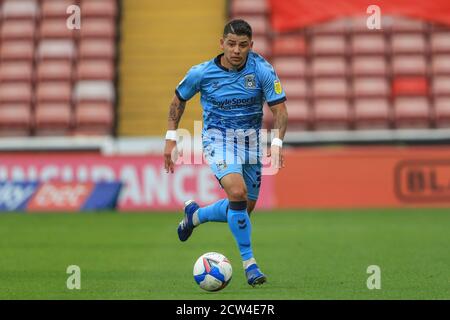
(171, 135)
(277, 142)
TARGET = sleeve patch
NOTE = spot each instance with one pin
(277, 87)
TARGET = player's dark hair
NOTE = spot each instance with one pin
(238, 27)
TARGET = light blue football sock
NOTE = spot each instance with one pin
(240, 226)
(214, 212)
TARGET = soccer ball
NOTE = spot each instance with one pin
(212, 271)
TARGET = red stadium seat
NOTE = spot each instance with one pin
(328, 66)
(410, 86)
(94, 91)
(95, 70)
(368, 44)
(289, 66)
(408, 43)
(53, 119)
(54, 92)
(95, 28)
(289, 45)
(16, 71)
(58, 70)
(17, 30)
(335, 26)
(331, 114)
(13, 92)
(24, 9)
(409, 65)
(372, 113)
(440, 42)
(96, 49)
(328, 45)
(15, 120)
(299, 114)
(260, 24)
(369, 66)
(370, 87)
(441, 64)
(411, 112)
(94, 118)
(248, 7)
(403, 24)
(56, 49)
(441, 85)
(55, 8)
(261, 45)
(17, 50)
(294, 88)
(99, 8)
(442, 112)
(55, 29)
(329, 88)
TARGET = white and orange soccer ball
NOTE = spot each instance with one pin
(212, 271)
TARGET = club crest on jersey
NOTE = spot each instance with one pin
(277, 87)
(250, 81)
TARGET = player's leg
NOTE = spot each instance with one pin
(240, 225)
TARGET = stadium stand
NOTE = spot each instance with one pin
(45, 68)
(339, 75)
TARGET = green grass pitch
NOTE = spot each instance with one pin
(305, 254)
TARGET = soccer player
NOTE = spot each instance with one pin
(233, 87)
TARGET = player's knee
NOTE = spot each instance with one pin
(237, 193)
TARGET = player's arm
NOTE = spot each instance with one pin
(176, 110)
(280, 116)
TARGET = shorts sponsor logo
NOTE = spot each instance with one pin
(422, 181)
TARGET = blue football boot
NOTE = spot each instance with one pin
(186, 225)
(254, 275)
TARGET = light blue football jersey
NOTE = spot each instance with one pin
(232, 99)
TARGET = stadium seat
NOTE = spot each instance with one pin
(58, 70)
(369, 66)
(94, 118)
(411, 112)
(261, 45)
(299, 114)
(96, 49)
(331, 114)
(17, 30)
(94, 91)
(53, 119)
(368, 44)
(99, 8)
(259, 23)
(409, 65)
(441, 85)
(56, 49)
(441, 64)
(54, 91)
(55, 8)
(16, 92)
(442, 112)
(328, 66)
(328, 45)
(403, 24)
(294, 88)
(371, 113)
(289, 66)
(330, 88)
(289, 45)
(94, 28)
(370, 87)
(248, 7)
(410, 86)
(55, 29)
(17, 50)
(335, 26)
(15, 120)
(16, 71)
(23, 9)
(440, 42)
(95, 70)
(408, 43)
